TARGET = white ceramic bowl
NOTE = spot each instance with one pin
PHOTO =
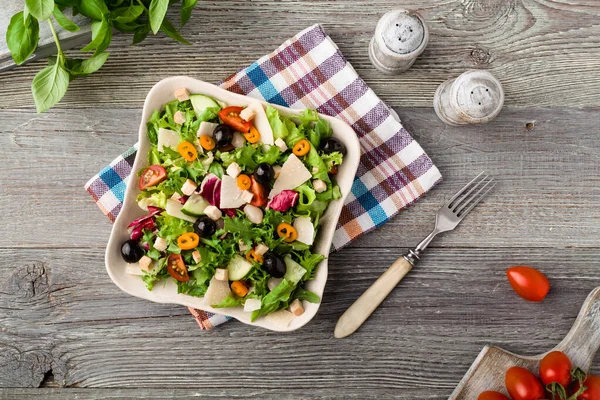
(162, 93)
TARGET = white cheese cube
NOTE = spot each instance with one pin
(281, 144)
(221, 274)
(182, 94)
(252, 305)
(273, 283)
(213, 213)
(196, 256)
(261, 249)
(234, 170)
(176, 196)
(243, 246)
(247, 196)
(247, 114)
(189, 187)
(238, 140)
(160, 244)
(145, 263)
(277, 171)
(296, 308)
(179, 117)
(206, 128)
(319, 186)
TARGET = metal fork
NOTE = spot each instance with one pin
(448, 217)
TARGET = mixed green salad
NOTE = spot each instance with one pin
(233, 211)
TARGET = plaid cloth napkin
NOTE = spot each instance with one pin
(308, 71)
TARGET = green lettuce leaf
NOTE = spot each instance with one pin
(277, 124)
(301, 294)
(274, 299)
(172, 227)
(316, 165)
(230, 301)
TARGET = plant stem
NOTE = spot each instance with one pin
(60, 52)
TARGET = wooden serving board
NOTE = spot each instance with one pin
(489, 368)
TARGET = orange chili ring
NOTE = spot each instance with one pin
(188, 241)
(239, 288)
(287, 232)
(187, 151)
(243, 182)
(253, 136)
(253, 257)
(301, 148)
(207, 142)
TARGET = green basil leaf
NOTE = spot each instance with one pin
(157, 12)
(101, 37)
(94, 9)
(168, 28)
(140, 34)
(186, 10)
(63, 21)
(21, 37)
(49, 86)
(41, 9)
(86, 67)
(67, 3)
(127, 14)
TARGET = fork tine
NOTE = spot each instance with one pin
(476, 199)
(464, 199)
(461, 191)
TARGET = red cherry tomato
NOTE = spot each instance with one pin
(152, 176)
(592, 383)
(176, 268)
(491, 395)
(556, 367)
(231, 116)
(529, 283)
(523, 385)
(260, 193)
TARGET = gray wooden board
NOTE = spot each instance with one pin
(63, 323)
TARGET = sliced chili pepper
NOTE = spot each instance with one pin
(301, 148)
(253, 136)
(188, 241)
(231, 116)
(239, 288)
(287, 232)
(207, 142)
(187, 151)
(252, 256)
(243, 182)
(176, 268)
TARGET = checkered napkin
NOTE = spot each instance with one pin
(308, 71)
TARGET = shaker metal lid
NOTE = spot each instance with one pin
(402, 32)
(477, 94)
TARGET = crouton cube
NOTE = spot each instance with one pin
(179, 117)
(296, 308)
(243, 246)
(273, 283)
(189, 187)
(221, 274)
(145, 263)
(247, 114)
(319, 186)
(182, 94)
(247, 196)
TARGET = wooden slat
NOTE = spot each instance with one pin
(547, 193)
(545, 53)
(60, 312)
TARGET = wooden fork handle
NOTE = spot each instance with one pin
(364, 306)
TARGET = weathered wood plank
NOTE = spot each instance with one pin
(547, 195)
(545, 53)
(60, 312)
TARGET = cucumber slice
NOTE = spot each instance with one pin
(174, 210)
(238, 268)
(294, 271)
(201, 102)
(195, 205)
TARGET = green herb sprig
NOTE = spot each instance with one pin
(139, 17)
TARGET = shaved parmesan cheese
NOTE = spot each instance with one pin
(293, 174)
(231, 195)
(206, 129)
(217, 292)
(305, 229)
(168, 138)
(281, 318)
(261, 122)
(252, 305)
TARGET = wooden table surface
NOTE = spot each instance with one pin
(67, 332)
